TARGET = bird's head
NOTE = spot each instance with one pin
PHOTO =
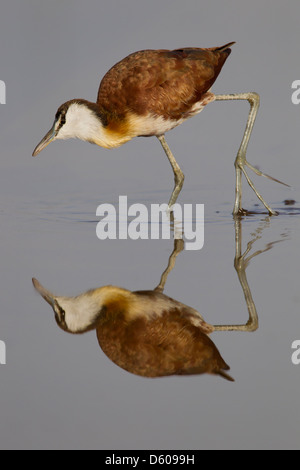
(77, 118)
(74, 314)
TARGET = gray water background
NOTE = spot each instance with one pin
(60, 391)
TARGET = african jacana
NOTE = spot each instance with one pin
(145, 332)
(147, 94)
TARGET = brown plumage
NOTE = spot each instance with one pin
(146, 333)
(149, 93)
(168, 344)
(160, 82)
(145, 94)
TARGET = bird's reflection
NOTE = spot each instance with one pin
(148, 333)
(145, 332)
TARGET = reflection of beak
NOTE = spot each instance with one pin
(45, 141)
(48, 296)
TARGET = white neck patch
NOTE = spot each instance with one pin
(81, 123)
(80, 312)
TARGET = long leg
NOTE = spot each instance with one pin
(179, 176)
(241, 161)
(178, 248)
(240, 264)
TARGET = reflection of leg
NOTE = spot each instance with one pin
(178, 247)
(240, 264)
(241, 161)
(179, 176)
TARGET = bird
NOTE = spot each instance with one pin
(148, 93)
(146, 333)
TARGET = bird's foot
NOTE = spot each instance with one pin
(240, 165)
(241, 212)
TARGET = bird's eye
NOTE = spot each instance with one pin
(60, 314)
(62, 120)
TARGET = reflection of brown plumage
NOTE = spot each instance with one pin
(146, 332)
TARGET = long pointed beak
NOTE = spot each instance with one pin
(49, 137)
(48, 296)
